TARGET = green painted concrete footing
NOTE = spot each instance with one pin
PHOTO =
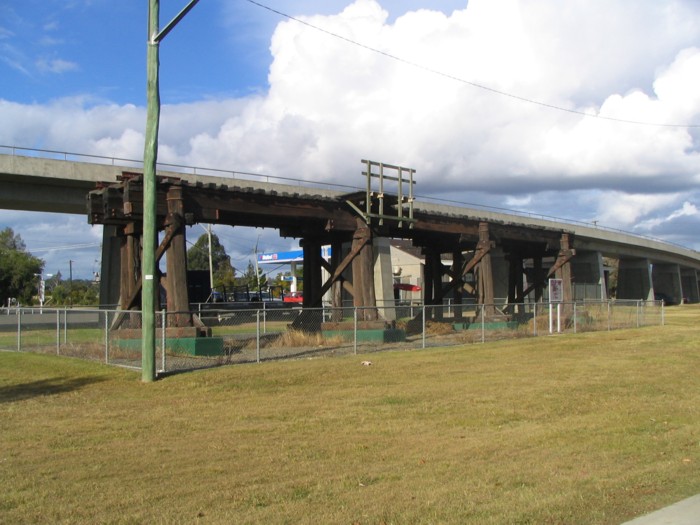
(195, 346)
(391, 335)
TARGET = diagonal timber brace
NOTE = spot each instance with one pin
(483, 248)
(566, 253)
(364, 239)
(174, 223)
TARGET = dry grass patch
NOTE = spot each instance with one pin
(299, 338)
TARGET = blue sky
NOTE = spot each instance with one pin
(246, 89)
(96, 48)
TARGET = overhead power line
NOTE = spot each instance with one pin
(67, 247)
(468, 82)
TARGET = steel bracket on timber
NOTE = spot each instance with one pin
(377, 202)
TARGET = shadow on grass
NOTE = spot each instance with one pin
(44, 387)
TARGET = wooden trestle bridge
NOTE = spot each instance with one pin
(349, 223)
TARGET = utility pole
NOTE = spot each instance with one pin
(257, 270)
(150, 232)
(150, 160)
(211, 263)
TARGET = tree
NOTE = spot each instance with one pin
(80, 292)
(254, 281)
(198, 259)
(19, 270)
(248, 278)
(261, 280)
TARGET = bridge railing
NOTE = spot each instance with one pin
(257, 335)
(164, 166)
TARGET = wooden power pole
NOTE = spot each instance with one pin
(150, 159)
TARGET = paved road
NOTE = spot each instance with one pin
(47, 318)
(686, 512)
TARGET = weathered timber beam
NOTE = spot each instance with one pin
(123, 202)
(356, 249)
(171, 230)
(483, 247)
(564, 256)
(326, 265)
(442, 226)
(518, 233)
(176, 261)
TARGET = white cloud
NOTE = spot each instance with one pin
(13, 57)
(348, 100)
(49, 41)
(625, 210)
(56, 65)
(518, 202)
(687, 210)
(126, 146)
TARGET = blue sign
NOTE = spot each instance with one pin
(281, 257)
(289, 257)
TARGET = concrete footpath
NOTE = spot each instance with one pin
(686, 512)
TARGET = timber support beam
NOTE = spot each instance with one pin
(364, 296)
(485, 270)
(561, 269)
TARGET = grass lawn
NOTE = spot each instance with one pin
(575, 429)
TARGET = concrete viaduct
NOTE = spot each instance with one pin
(491, 255)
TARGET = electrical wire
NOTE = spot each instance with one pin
(67, 247)
(468, 82)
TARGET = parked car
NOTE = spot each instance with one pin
(294, 297)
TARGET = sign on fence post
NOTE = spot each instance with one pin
(556, 295)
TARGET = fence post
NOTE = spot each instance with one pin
(423, 325)
(483, 323)
(106, 312)
(58, 331)
(257, 336)
(65, 325)
(575, 325)
(609, 326)
(534, 319)
(354, 330)
(663, 314)
(163, 324)
(638, 309)
(19, 329)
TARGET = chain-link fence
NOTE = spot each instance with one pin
(207, 338)
(72, 332)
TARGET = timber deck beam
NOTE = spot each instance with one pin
(296, 215)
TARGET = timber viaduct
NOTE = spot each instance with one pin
(491, 255)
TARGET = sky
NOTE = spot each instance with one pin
(586, 110)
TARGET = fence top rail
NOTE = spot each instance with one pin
(38, 310)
